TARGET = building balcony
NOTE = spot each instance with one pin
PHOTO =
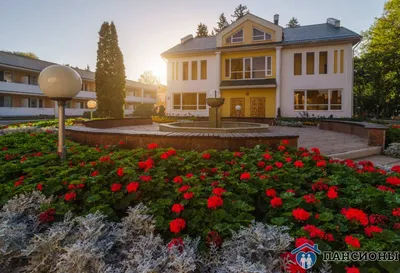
(140, 99)
(28, 111)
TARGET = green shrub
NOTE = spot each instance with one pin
(144, 111)
(393, 134)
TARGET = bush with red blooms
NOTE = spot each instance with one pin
(338, 204)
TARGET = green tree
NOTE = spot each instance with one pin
(293, 23)
(221, 24)
(239, 12)
(202, 30)
(377, 77)
(149, 77)
(110, 73)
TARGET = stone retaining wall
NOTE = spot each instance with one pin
(110, 123)
(181, 141)
(374, 133)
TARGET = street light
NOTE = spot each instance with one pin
(91, 105)
(238, 108)
(60, 83)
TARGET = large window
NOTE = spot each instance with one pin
(259, 35)
(203, 68)
(175, 71)
(235, 38)
(342, 61)
(323, 62)
(248, 68)
(318, 100)
(189, 101)
(194, 70)
(310, 63)
(185, 71)
(297, 63)
(5, 101)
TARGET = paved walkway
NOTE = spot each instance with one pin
(381, 160)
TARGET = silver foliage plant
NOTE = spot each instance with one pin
(92, 244)
(393, 150)
(26, 129)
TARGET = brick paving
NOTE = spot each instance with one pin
(327, 141)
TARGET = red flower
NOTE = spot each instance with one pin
(184, 188)
(270, 192)
(332, 193)
(188, 195)
(189, 175)
(393, 180)
(171, 152)
(177, 208)
(329, 237)
(298, 164)
(178, 180)
(281, 148)
(132, 187)
(261, 164)
(268, 168)
(18, 183)
(71, 186)
(69, 196)
(285, 142)
(276, 202)
(237, 154)
(105, 159)
(152, 146)
(267, 156)
(395, 169)
(396, 212)
(214, 238)
(303, 240)
(279, 165)
(352, 241)
(370, 229)
(164, 156)
(396, 225)
(214, 202)
(47, 216)
(120, 172)
(315, 150)
(218, 191)
(288, 159)
(176, 242)
(300, 214)
(94, 173)
(377, 219)
(206, 156)
(214, 184)
(384, 188)
(321, 163)
(356, 214)
(39, 187)
(116, 187)
(310, 198)
(121, 143)
(145, 178)
(177, 225)
(291, 191)
(352, 269)
(245, 176)
(314, 231)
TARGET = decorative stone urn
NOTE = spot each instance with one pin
(214, 115)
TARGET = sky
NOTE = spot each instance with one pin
(66, 31)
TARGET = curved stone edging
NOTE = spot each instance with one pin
(374, 133)
(241, 127)
(180, 141)
(110, 123)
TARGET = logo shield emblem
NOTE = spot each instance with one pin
(306, 260)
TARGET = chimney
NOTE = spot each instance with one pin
(334, 22)
(276, 19)
(186, 38)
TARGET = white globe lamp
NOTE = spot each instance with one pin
(60, 83)
(91, 105)
(238, 108)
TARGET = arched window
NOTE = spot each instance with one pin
(235, 38)
(259, 35)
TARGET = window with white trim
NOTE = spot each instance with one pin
(235, 38)
(8, 76)
(259, 35)
(189, 101)
(318, 100)
(248, 68)
(5, 101)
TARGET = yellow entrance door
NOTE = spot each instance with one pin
(257, 107)
(234, 102)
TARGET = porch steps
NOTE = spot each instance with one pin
(370, 151)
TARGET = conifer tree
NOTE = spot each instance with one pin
(221, 24)
(202, 30)
(239, 12)
(293, 23)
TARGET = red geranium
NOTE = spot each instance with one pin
(310, 198)
(267, 156)
(385, 188)
(47, 216)
(319, 186)
(132, 187)
(298, 164)
(329, 237)
(176, 242)
(164, 156)
(177, 225)
(178, 179)
(369, 230)
(237, 154)
(213, 238)
(94, 173)
(188, 195)
(352, 269)
(206, 156)
(270, 192)
(393, 180)
(303, 240)
(214, 202)
(268, 168)
(184, 188)
(120, 172)
(281, 148)
(276, 202)
(352, 241)
(171, 152)
(288, 159)
(261, 164)
(245, 176)
(395, 169)
(145, 178)
(314, 231)
(377, 219)
(69, 196)
(39, 187)
(396, 212)
(332, 193)
(356, 214)
(152, 146)
(218, 191)
(291, 191)
(285, 142)
(116, 187)
(279, 165)
(321, 163)
(105, 159)
(300, 214)
(177, 208)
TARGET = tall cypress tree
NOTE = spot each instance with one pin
(110, 74)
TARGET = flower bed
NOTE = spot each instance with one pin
(341, 205)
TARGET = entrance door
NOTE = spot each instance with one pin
(257, 107)
(234, 102)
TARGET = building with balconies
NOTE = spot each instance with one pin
(20, 95)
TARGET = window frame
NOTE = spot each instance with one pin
(263, 36)
(4, 101)
(201, 70)
(185, 74)
(12, 76)
(329, 100)
(231, 39)
(267, 70)
(199, 107)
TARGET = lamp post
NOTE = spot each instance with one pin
(238, 108)
(91, 105)
(60, 83)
